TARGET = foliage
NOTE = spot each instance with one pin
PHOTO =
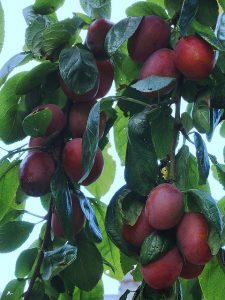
(148, 130)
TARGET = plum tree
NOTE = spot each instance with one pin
(192, 237)
(72, 162)
(135, 234)
(194, 57)
(106, 74)
(78, 219)
(96, 37)
(57, 122)
(155, 31)
(190, 271)
(35, 173)
(160, 63)
(164, 207)
(78, 119)
(164, 271)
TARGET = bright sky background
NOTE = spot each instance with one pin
(14, 41)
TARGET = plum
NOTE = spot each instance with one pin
(194, 57)
(192, 237)
(164, 206)
(106, 74)
(35, 173)
(152, 34)
(190, 271)
(164, 271)
(72, 162)
(160, 63)
(136, 234)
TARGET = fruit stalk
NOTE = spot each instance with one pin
(176, 129)
(45, 243)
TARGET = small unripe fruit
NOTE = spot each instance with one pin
(78, 119)
(35, 173)
(106, 74)
(160, 63)
(86, 97)
(192, 238)
(136, 234)
(194, 57)
(95, 39)
(72, 162)
(78, 219)
(164, 206)
(164, 271)
(152, 34)
(57, 122)
(190, 271)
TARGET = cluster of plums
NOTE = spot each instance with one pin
(38, 167)
(164, 212)
(192, 57)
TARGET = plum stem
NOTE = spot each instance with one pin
(176, 129)
(45, 243)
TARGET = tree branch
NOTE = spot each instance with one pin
(36, 274)
(176, 129)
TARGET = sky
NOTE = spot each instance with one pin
(14, 41)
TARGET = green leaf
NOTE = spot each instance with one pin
(132, 207)
(103, 184)
(186, 121)
(107, 249)
(12, 63)
(57, 260)
(188, 12)
(9, 184)
(191, 289)
(96, 293)
(187, 171)
(201, 113)
(20, 232)
(86, 271)
(35, 77)
(63, 202)
(36, 123)
(153, 83)
(2, 26)
(25, 262)
(219, 170)
(202, 202)
(90, 141)
(12, 111)
(34, 32)
(114, 221)
(142, 8)
(208, 35)
(208, 12)
(212, 281)
(13, 290)
(173, 6)
(78, 69)
(59, 34)
(120, 32)
(96, 9)
(215, 115)
(38, 290)
(154, 246)
(45, 7)
(222, 4)
(202, 158)
(163, 141)
(141, 162)
(90, 216)
(120, 135)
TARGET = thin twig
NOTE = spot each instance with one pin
(36, 274)
(176, 129)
